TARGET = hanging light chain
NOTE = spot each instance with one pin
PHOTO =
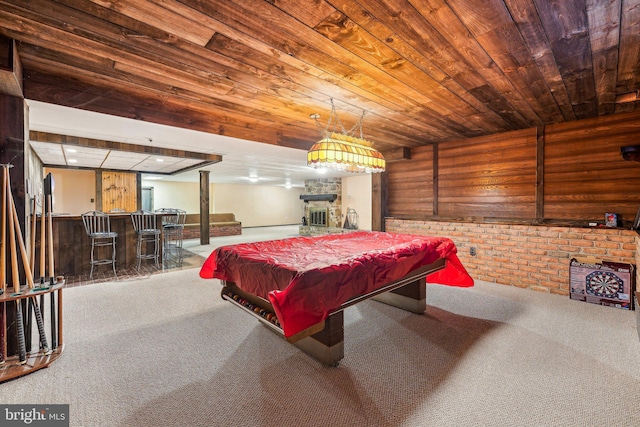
(342, 150)
(334, 123)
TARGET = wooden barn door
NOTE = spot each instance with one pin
(119, 191)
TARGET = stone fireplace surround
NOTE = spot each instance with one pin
(318, 189)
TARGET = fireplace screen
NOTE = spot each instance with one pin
(318, 217)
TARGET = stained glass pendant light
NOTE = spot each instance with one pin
(343, 151)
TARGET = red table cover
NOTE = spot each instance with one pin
(306, 278)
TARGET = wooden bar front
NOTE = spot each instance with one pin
(72, 246)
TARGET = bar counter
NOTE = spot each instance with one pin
(72, 246)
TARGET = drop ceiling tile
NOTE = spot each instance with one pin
(122, 160)
(96, 158)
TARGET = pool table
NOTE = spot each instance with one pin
(299, 287)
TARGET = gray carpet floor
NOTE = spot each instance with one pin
(168, 351)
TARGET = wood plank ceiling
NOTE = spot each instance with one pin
(424, 71)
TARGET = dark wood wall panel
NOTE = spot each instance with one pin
(585, 175)
(72, 246)
(410, 184)
(488, 176)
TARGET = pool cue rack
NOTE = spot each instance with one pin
(35, 358)
(29, 340)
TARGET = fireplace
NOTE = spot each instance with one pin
(318, 217)
(322, 210)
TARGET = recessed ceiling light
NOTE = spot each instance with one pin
(72, 161)
(71, 150)
(159, 160)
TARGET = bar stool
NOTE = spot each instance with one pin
(98, 228)
(172, 221)
(144, 223)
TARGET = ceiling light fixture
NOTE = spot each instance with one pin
(342, 150)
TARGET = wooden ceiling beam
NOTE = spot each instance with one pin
(120, 146)
(10, 68)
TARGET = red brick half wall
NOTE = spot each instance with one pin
(526, 256)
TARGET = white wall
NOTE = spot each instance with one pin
(73, 190)
(180, 195)
(356, 194)
(253, 205)
(260, 205)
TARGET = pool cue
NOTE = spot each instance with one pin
(52, 275)
(3, 248)
(42, 244)
(32, 235)
(22, 347)
(27, 308)
(3, 338)
(32, 252)
(32, 256)
(59, 335)
(3, 273)
(33, 301)
(50, 241)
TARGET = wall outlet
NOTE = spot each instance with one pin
(472, 251)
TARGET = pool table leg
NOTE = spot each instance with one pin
(411, 297)
(326, 346)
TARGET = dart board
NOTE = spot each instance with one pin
(604, 284)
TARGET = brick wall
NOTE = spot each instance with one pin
(192, 232)
(533, 257)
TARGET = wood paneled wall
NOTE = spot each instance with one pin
(119, 191)
(585, 175)
(495, 175)
(570, 171)
(410, 184)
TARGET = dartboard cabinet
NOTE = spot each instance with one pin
(602, 282)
